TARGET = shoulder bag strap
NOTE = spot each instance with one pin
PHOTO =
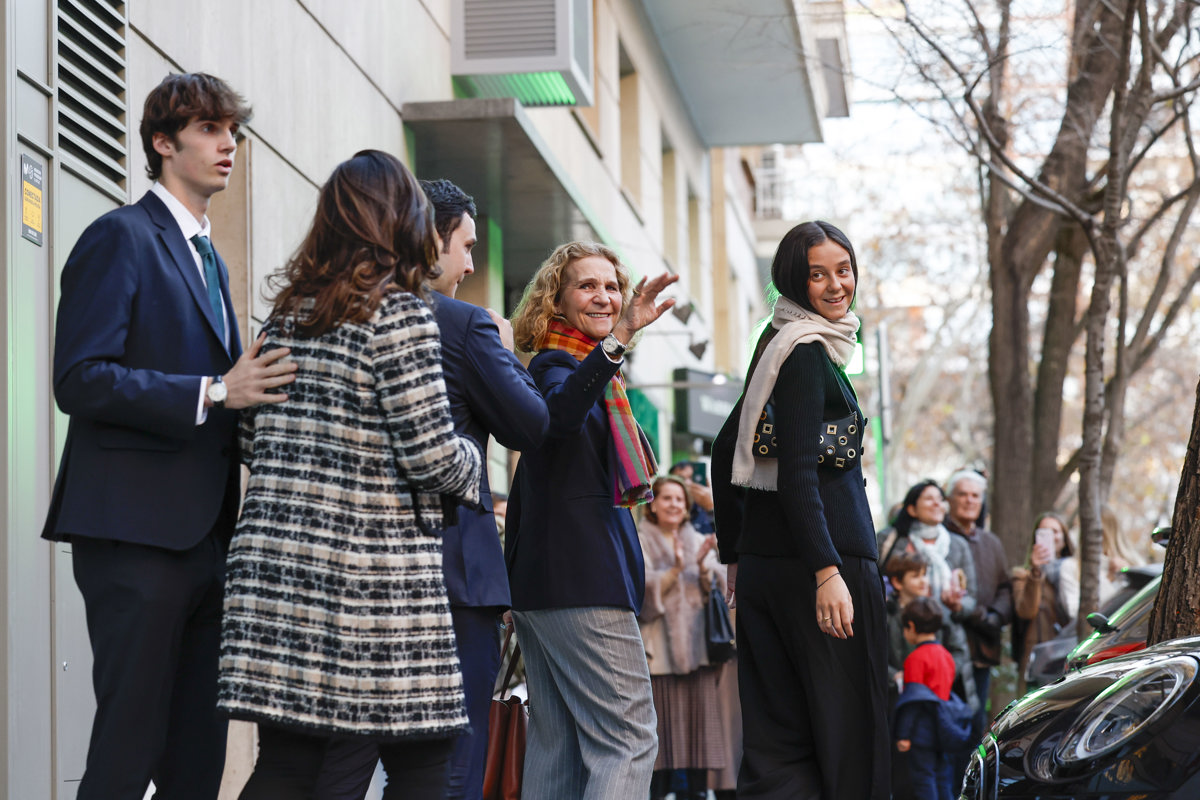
(512, 662)
(842, 382)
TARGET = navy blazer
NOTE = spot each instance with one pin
(490, 393)
(135, 334)
(818, 514)
(566, 544)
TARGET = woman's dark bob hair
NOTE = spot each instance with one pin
(790, 269)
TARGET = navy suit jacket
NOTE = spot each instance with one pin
(566, 544)
(490, 393)
(134, 335)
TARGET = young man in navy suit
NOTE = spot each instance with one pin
(490, 394)
(149, 366)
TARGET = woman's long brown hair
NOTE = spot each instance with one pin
(373, 233)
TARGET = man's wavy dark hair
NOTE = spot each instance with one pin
(181, 98)
(449, 204)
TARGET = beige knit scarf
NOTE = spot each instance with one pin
(795, 325)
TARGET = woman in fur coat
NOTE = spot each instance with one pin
(681, 567)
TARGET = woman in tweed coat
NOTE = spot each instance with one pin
(336, 618)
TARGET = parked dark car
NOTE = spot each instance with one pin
(1123, 632)
(1127, 727)
(1049, 660)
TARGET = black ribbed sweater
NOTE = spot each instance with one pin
(818, 514)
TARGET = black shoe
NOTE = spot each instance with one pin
(697, 788)
(659, 784)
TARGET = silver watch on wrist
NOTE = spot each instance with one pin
(217, 391)
(613, 347)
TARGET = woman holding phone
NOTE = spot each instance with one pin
(1046, 589)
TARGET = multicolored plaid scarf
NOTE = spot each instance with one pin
(629, 449)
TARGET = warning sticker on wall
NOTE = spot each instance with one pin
(32, 181)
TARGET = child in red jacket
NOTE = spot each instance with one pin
(932, 723)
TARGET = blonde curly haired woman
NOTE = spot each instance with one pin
(575, 564)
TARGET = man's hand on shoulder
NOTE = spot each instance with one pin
(256, 372)
(506, 331)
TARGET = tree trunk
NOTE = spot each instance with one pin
(1028, 239)
(1058, 340)
(1109, 260)
(1011, 478)
(1114, 433)
(1091, 532)
(1177, 609)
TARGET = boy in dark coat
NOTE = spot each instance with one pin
(932, 724)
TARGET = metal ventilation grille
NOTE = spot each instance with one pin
(91, 87)
(509, 28)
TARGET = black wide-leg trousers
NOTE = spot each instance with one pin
(814, 708)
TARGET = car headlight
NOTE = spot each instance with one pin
(1123, 709)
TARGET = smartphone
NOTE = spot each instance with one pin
(700, 472)
(1045, 536)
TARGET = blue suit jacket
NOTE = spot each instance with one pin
(566, 544)
(490, 393)
(134, 335)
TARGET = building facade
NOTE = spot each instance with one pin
(636, 142)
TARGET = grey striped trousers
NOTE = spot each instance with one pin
(592, 729)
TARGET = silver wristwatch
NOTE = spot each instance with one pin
(217, 391)
(613, 347)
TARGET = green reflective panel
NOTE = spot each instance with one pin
(531, 88)
(646, 414)
(495, 261)
(855, 367)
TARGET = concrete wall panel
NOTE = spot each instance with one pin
(312, 103)
(402, 45)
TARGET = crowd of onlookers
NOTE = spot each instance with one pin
(951, 596)
(948, 584)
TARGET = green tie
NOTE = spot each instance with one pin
(209, 259)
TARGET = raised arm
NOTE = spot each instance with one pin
(571, 387)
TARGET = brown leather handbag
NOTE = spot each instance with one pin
(508, 719)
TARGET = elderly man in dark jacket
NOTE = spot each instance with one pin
(966, 491)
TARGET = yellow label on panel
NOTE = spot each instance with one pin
(31, 206)
(33, 175)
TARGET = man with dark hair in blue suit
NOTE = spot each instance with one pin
(490, 394)
(148, 363)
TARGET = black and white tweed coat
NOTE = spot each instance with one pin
(336, 618)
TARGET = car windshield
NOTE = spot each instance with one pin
(1138, 606)
(1130, 624)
